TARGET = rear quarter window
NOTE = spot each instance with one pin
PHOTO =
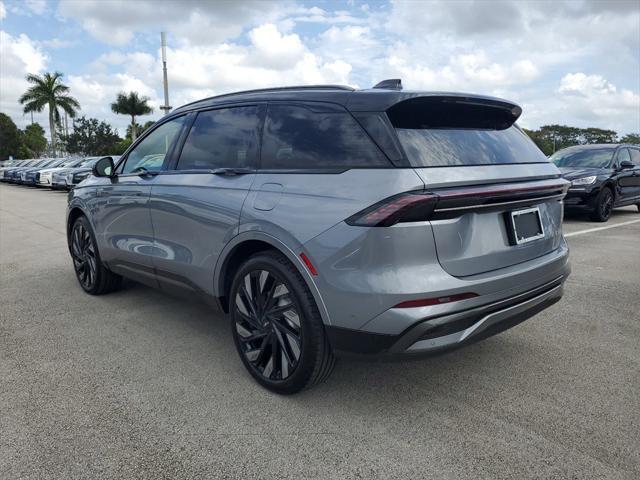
(296, 137)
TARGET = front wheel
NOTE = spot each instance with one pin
(603, 206)
(93, 276)
(276, 325)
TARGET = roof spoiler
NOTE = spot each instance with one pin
(390, 84)
(453, 111)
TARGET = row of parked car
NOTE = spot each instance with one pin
(56, 173)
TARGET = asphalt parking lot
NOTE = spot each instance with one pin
(140, 385)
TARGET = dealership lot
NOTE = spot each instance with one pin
(140, 385)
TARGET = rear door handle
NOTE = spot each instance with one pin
(231, 171)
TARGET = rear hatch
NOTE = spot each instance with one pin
(499, 199)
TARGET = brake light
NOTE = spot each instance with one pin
(427, 302)
(406, 207)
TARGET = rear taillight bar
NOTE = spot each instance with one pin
(399, 208)
(447, 203)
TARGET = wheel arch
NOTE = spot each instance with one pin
(249, 243)
(74, 213)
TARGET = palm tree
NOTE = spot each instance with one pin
(48, 90)
(131, 104)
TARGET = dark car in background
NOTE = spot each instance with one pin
(603, 177)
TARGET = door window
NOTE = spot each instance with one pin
(635, 156)
(296, 137)
(224, 138)
(150, 153)
(623, 156)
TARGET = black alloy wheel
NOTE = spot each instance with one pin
(83, 252)
(604, 206)
(276, 325)
(93, 276)
(268, 325)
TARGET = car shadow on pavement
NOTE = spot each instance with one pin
(357, 384)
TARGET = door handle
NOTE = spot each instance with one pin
(231, 171)
(102, 192)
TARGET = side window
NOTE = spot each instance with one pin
(623, 156)
(635, 156)
(296, 137)
(150, 152)
(224, 138)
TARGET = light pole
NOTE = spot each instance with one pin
(163, 42)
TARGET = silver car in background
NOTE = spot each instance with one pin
(327, 220)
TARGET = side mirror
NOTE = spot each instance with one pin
(103, 167)
(626, 164)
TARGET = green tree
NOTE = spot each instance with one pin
(33, 140)
(91, 136)
(140, 129)
(10, 140)
(133, 105)
(598, 135)
(48, 90)
(631, 138)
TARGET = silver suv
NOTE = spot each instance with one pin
(327, 220)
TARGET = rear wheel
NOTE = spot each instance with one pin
(276, 325)
(604, 206)
(93, 276)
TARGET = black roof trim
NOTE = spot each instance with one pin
(267, 90)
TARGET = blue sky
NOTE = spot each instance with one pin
(571, 62)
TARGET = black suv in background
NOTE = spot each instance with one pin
(602, 177)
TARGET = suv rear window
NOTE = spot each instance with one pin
(295, 137)
(451, 147)
(442, 131)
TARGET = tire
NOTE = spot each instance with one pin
(603, 206)
(93, 276)
(276, 326)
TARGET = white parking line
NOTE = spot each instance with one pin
(589, 230)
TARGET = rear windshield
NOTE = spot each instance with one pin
(441, 131)
(588, 158)
(452, 147)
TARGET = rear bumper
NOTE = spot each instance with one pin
(448, 332)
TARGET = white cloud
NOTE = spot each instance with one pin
(585, 85)
(36, 6)
(58, 43)
(117, 21)
(19, 55)
(585, 101)
(471, 72)
(3, 11)
(274, 50)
